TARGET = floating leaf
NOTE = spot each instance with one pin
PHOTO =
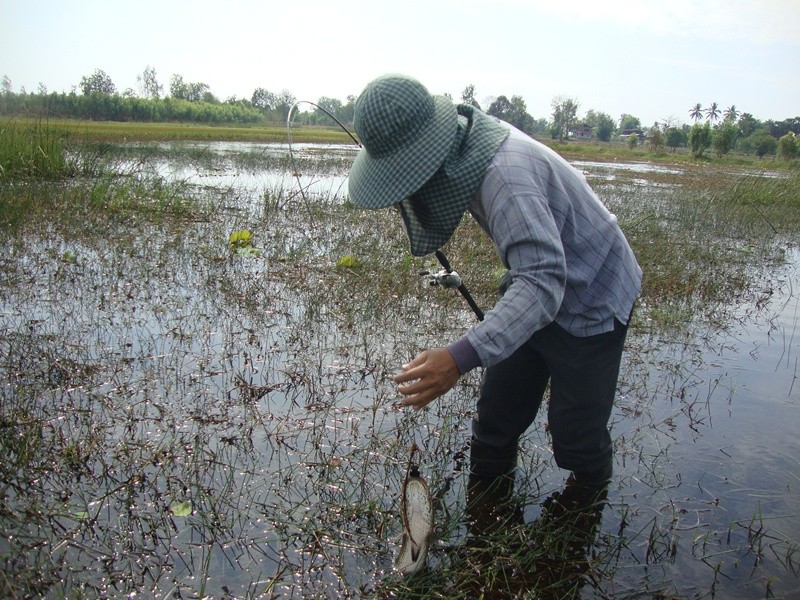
(69, 257)
(181, 509)
(348, 262)
(248, 251)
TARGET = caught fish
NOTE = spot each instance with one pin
(416, 507)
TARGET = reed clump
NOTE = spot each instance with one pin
(32, 150)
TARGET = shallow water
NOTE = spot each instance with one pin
(723, 449)
(241, 386)
(254, 167)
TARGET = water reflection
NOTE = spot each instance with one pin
(251, 167)
(707, 433)
(548, 557)
(616, 167)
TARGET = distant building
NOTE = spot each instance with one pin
(626, 133)
(582, 132)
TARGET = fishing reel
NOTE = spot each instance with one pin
(445, 278)
(450, 279)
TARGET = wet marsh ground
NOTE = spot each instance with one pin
(180, 417)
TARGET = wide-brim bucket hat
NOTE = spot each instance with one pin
(406, 134)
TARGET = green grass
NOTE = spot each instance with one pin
(113, 131)
(83, 207)
(620, 152)
(32, 150)
(765, 202)
(140, 196)
(692, 250)
(697, 249)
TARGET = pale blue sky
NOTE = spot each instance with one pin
(653, 59)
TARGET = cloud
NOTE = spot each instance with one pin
(748, 21)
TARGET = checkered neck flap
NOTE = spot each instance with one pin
(433, 212)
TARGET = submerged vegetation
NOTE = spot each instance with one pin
(196, 398)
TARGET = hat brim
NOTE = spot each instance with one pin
(382, 182)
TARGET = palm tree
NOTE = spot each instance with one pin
(712, 112)
(731, 114)
(697, 112)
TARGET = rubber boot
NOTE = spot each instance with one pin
(564, 533)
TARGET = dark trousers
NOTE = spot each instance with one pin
(582, 373)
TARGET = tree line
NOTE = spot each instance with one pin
(725, 130)
(96, 97)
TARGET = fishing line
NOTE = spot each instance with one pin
(292, 163)
(317, 106)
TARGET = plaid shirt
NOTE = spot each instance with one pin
(568, 258)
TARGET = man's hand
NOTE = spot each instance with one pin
(431, 373)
